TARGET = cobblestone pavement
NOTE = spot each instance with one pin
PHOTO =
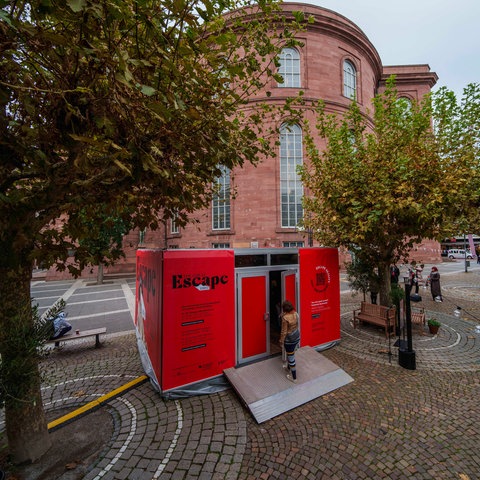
(390, 423)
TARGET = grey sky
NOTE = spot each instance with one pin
(441, 33)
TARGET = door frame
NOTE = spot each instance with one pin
(285, 296)
(261, 272)
(239, 276)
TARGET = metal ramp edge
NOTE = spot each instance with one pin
(267, 393)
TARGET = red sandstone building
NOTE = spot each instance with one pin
(336, 63)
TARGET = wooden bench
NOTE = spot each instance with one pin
(376, 315)
(418, 316)
(71, 335)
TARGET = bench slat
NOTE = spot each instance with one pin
(96, 332)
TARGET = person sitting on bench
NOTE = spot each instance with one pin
(60, 326)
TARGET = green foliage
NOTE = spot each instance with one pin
(392, 185)
(361, 275)
(388, 179)
(433, 322)
(126, 103)
(457, 130)
(43, 325)
(27, 333)
(104, 244)
(397, 294)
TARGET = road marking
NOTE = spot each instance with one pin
(172, 446)
(133, 429)
(101, 314)
(72, 289)
(83, 302)
(129, 297)
(96, 403)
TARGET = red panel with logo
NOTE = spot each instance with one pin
(148, 301)
(320, 296)
(199, 315)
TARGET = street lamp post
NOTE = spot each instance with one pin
(406, 358)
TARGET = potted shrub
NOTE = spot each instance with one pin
(433, 325)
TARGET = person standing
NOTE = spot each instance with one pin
(374, 285)
(395, 273)
(290, 338)
(435, 285)
(418, 276)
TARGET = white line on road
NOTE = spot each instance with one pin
(96, 301)
(129, 297)
(101, 314)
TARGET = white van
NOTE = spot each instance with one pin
(455, 253)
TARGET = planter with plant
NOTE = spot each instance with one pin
(433, 325)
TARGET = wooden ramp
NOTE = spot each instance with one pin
(264, 388)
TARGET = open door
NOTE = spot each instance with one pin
(253, 340)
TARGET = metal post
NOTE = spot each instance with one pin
(408, 315)
(406, 358)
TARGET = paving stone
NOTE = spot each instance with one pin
(390, 423)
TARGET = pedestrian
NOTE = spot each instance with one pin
(289, 338)
(418, 276)
(394, 273)
(374, 285)
(60, 326)
(477, 251)
(435, 285)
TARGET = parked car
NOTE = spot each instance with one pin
(456, 253)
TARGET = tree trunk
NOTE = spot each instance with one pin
(100, 274)
(385, 285)
(26, 425)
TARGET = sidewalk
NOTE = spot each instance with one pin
(390, 423)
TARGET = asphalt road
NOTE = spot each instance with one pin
(112, 304)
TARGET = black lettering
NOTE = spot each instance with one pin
(147, 279)
(177, 281)
(186, 281)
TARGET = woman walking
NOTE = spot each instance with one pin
(435, 285)
(289, 338)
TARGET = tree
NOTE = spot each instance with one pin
(104, 245)
(130, 104)
(358, 275)
(457, 131)
(383, 184)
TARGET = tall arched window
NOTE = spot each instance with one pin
(221, 201)
(289, 68)
(291, 188)
(349, 80)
